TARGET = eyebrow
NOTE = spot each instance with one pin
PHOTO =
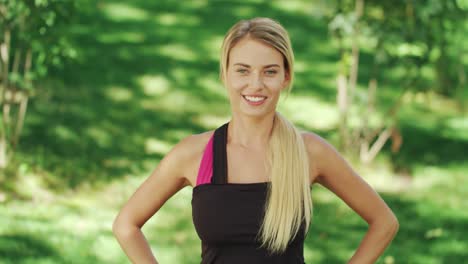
(248, 66)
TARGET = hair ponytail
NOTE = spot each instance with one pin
(288, 202)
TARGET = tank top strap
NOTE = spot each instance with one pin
(220, 155)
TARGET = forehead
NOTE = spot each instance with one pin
(254, 53)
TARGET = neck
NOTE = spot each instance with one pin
(250, 132)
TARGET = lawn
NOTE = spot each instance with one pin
(145, 78)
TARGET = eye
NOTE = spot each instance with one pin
(242, 71)
(270, 72)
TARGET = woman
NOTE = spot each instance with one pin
(252, 176)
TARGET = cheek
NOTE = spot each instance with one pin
(236, 83)
(275, 84)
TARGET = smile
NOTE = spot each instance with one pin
(254, 100)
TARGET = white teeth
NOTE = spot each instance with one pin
(254, 98)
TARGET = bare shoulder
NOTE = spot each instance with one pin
(318, 147)
(319, 151)
(189, 152)
(315, 144)
(193, 144)
(327, 161)
(171, 174)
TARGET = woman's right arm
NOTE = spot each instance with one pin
(166, 180)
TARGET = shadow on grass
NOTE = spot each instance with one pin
(423, 146)
(145, 77)
(19, 248)
(427, 234)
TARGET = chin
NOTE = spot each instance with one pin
(256, 113)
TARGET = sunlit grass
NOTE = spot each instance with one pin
(310, 112)
(178, 51)
(154, 85)
(149, 79)
(116, 37)
(124, 12)
(154, 145)
(212, 46)
(119, 94)
(294, 6)
(169, 19)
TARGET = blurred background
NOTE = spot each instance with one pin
(94, 93)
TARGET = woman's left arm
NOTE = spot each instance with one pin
(334, 173)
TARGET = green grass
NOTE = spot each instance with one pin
(76, 227)
(147, 77)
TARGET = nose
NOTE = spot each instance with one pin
(256, 80)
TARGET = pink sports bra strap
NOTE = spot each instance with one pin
(205, 172)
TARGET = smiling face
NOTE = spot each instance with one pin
(255, 78)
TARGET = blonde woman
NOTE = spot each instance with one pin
(251, 177)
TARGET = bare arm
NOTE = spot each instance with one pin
(166, 180)
(335, 174)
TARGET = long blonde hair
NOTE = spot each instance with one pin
(288, 200)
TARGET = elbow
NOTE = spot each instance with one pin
(117, 227)
(387, 224)
(395, 224)
(122, 228)
(391, 225)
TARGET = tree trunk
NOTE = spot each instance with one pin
(353, 75)
(23, 102)
(369, 154)
(20, 121)
(342, 101)
(4, 56)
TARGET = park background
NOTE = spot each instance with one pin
(111, 86)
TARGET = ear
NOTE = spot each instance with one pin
(287, 80)
(222, 77)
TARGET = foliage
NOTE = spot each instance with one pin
(426, 37)
(38, 25)
(418, 43)
(32, 40)
(146, 77)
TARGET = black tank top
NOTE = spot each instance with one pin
(228, 216)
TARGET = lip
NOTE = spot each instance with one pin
(255, 103)
(255, 95)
